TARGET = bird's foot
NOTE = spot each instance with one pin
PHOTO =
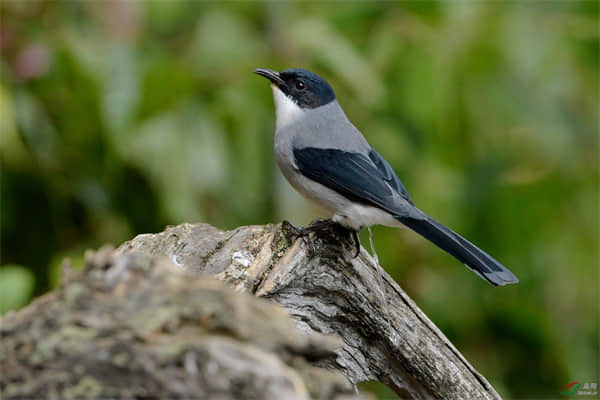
(292, 233)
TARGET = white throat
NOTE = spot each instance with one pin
(286, 109)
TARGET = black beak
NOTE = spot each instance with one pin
(273, 76)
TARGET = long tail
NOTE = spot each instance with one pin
(466, 252)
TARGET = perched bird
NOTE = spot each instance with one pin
(328, 160)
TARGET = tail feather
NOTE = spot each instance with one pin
(466, 252)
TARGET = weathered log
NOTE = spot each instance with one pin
(133, 324)
(326, 290)
(136, 327)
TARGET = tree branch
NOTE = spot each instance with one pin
(328, 291)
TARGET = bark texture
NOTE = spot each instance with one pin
(138, 327)
(327, 290)
(148, 320)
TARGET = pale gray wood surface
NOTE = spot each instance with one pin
(328, 291)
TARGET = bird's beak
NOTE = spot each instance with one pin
(273, 76)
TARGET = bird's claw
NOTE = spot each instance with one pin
(290, 230)
(292, 233)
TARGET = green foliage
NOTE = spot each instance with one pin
(120, 118)
(16, 287)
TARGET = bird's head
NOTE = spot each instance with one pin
(304, 88)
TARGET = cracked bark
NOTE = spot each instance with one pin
(327, 291)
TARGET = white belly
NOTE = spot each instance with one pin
(358, 216)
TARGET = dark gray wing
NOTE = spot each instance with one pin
(353, 175)
(388, 174)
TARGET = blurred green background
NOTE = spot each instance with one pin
(120, 117)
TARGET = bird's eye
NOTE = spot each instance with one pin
(300, 85)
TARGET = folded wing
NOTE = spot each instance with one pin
(354, 175)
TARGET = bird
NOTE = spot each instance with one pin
(329, 161)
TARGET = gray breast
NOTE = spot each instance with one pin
(327, 127)
(324, 127)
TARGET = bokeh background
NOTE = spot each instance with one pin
(120, 117)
